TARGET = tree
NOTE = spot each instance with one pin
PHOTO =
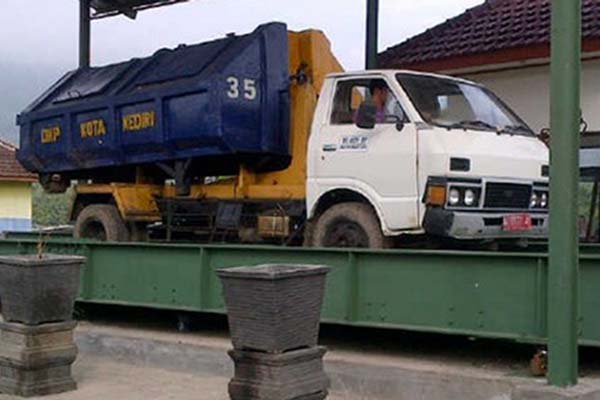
(51, 209)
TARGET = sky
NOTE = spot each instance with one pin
(39, 38)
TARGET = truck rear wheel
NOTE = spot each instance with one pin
(101, 222)
(349, 225)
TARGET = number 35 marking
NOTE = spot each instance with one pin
(250, 91)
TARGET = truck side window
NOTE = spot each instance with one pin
(349, 95)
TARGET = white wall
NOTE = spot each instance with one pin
(15, 200)
(527, 91)
(15, 206)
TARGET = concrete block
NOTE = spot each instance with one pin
(294, 375)
(36, 360)
(542, 391)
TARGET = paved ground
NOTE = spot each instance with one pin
(102, 379)
(143, 357)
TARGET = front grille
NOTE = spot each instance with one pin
(507, 195)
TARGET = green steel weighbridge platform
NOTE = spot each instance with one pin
(546, 297)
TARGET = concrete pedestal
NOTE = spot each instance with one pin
(293, 375)
(541, 391)
(36, 360)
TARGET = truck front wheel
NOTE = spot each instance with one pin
(101, 222)
(349, 225)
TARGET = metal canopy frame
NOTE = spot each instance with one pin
(105, 9)
(372, 39)
(130, 8)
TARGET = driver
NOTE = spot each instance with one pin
(379, 96)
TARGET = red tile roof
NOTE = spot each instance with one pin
(10, 168)
(492, 27)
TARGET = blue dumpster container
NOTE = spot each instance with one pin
(215, 105)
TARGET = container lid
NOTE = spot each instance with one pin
(273, 271)
(32, 260)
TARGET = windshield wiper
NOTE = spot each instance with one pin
(514, 129)
(476, 124)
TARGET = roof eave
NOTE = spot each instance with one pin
(18, 179)
(525, 55)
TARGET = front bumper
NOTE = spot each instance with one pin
(479, 225)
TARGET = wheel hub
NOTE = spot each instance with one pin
(346, 234)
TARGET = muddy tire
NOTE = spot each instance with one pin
(349, 225)
(101, 222)
(138, 232)
(308, 234)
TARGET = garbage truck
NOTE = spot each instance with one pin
(263, 138)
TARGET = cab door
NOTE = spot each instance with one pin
(380, 163)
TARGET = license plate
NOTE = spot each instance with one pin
(517, 222)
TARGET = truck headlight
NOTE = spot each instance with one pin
(541, 199)
(454, 197)
(470, 198)
(534, 200)
(544, 200)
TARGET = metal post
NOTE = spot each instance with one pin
(563, 295)
(84, 34)
(372, 33)
(596, 231)
(593, 207)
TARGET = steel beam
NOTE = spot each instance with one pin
(482, 294)
(563, 273)
(84, 34)
(129, 12)
(111, 8)
(372, 33)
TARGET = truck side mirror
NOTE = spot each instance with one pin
(401, 118)
(399, 121)
(366, 116)
(400, 125)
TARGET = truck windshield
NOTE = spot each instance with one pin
(454, 104)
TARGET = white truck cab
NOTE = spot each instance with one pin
(396, 152)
